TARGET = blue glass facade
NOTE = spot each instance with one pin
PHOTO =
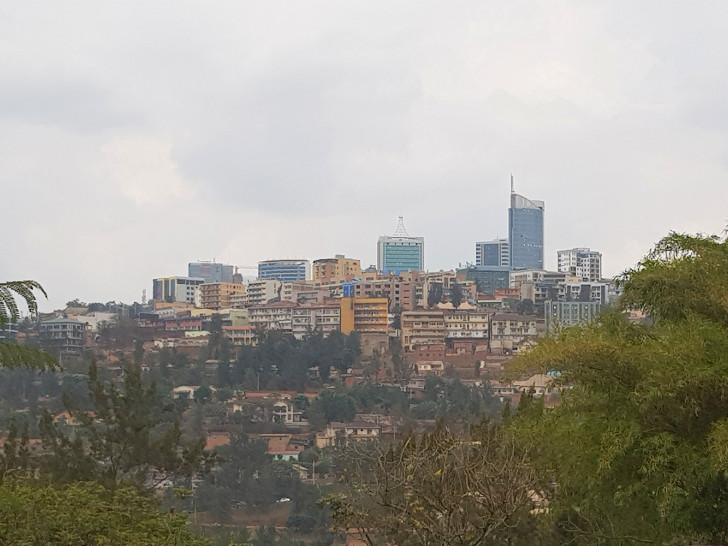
(401, 253)
(525, 232)
(284, 270)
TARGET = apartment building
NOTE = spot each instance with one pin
(466, 324)
(425, 327)
(240, 335)
(300, 320)
(259, 292)
(581, 262)
(272, 316)
(509, 331)
(569, 313)
(64, 334)
(323, 318)
(220, 295)
(176, 289)
(365, 315)
(336, 269)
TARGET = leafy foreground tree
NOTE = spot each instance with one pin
(638, 448)
(129, 436)
(86, 513)
(13, 355)
(445, 488)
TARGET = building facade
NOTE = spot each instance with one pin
(220, 295)
(400, 252)
(581, 262)
(495, 252)
(284, 270)
(260, 291)
(64, 334)
(421, 328)
(336, 269)
(525, 232)
(365, 315)
(176, 289)
(210, 271)
(569, 313)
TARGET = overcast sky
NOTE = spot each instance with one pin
(138, 136)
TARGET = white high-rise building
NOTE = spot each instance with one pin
(582, 262)
(495, 252)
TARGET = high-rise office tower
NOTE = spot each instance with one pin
(582, 262)
(493, 252)
(400, 252)
(525, 232)
(210, 271)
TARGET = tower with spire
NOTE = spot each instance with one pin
(400, 251)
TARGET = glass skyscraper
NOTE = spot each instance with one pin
(400, 252)
(525, 232)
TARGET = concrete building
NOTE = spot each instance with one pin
(495, 252)
(422, 328)
(64, 334)
(284, 270)
(470, 324)
(176, 289)
(220, 295)
(581, 262)
(525, 232)
(300, 320)
(569, 313)
(488, 278)
(400, 252)
(509, 331)
(262, 291)
(365, 315)
(211, 272)
(322, 318)
(336, 269)
(272, 316)
(399, 292)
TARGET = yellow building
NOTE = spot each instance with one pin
(365, 315)
(218, 295)
(336, 269)
(422, 328)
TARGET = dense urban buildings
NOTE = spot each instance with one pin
(284, 270)
(495, 252)
(210, 272)
(400, 252)
(525, 232)
(581, 262)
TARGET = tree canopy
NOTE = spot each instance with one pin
(637, 450)
(86, 513)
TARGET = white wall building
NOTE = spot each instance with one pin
(582, 262)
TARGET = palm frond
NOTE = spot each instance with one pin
(10, 290)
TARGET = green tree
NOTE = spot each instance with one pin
(434, 294)
(85, 513)
(525, 307)
(456, 294)
(130, 432)
(637, 447)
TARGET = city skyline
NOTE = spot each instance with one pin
(138, 139)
